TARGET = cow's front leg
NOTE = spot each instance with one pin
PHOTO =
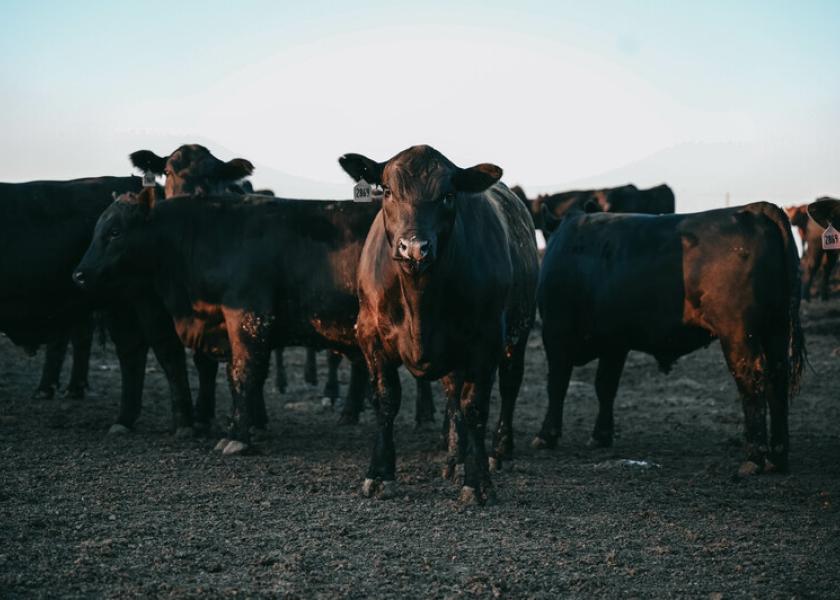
(159, 331)
(249, 334)
(387, 396)
(82, 339)
(453, 425)
(474, 409)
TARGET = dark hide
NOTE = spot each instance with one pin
(447, 284)
(667, 286)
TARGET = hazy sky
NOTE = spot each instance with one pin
(551, 91)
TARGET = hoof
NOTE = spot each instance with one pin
(182, 433)
(368, 488)
(595, 443)
(541, 443)
(494, 464)
(454, 473)
(390, 489)
(234, 447)
(748, 469)
(118, 429)
(469, 496)
(220, 445)
(45, 393)
(326, 403)
(74, 393)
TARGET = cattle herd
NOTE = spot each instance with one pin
(440, 273)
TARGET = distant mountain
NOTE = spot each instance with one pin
(702, 174)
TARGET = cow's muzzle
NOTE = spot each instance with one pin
(413, 249)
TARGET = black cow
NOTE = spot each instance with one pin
(193, 169)
(45, 227)
(546, 210)
(240, 275)
(814, 258)
(447, 283)
(668, 285)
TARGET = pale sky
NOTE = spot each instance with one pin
(553, 92)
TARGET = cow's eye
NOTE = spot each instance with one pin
(448, 200)
(113, 233)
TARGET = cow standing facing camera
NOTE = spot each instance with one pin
(447, 282)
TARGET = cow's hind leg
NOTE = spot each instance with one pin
(331, 391)
(310, 369)
(424, 408)
(355, 401)
(51, 372)
(559, 374)
(205, 405)
(82, 339)
(511, 370)
(748, 366)
(280, 380)
(778, 392)
(607, 377)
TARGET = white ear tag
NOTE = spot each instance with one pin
(148, 179)
(830, 238)
(361, 191)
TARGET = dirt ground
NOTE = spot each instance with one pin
(83, 514)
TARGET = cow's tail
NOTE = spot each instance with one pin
(796, 354)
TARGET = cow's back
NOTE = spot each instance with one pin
(652, 282)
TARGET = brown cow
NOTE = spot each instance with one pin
(814, 257)
(447, 283)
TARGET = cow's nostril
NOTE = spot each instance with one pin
(403, 248)
(79, 278)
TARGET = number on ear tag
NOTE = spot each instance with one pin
(361, 191)
(148, 179)
(830, 238)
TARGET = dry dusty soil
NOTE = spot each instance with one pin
(83, 514)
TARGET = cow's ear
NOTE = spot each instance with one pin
(476, 179)
(825, 211)
(233, 170)
(361, 167)
(146, 160)
(146, 198)
(592, 206)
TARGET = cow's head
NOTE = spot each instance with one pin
(422, 191)
(826, 211)
(192, 169)
(798, 215)
(118, 253)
